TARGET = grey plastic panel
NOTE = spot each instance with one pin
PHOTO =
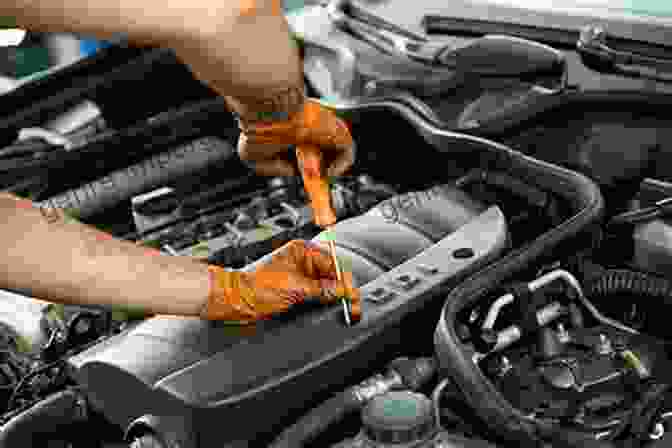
(385, 243)
(439, 263)
(181, 366)
(452, 209)
(291, 350)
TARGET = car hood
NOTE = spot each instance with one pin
(649, 22)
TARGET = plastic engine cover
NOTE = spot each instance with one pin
(233, 382)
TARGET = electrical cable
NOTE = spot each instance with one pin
(26, 148)
(167, 128)
(46, 367)
(657, 210)
(31, 374)
(29, 163)
(619, 281)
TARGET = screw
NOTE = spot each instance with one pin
(563, 334)
(605, 345)
(505, 366)
(371, 87)
(83, 325)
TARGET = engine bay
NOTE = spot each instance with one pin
(514, 277)
(565, 362)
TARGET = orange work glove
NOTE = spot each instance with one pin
(264, 143)
(299, 271)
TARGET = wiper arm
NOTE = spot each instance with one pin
(598, 49)
(596, 54)
(424, 51)
(490, 56)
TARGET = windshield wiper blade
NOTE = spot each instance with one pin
(599, 50)
(564, 38)
(491, 55)
(460, 26)
(596, 54)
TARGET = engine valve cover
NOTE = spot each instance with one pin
(217, 373)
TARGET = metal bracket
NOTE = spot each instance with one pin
(384, 40)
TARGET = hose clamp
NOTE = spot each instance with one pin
(377, 385)
(51, 137)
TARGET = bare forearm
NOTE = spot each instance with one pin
(250, 56)
(242, 48)
(68, 262)
(150, 20)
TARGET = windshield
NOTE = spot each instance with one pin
(650, 8)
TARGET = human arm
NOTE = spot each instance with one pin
(53, 258)
(243, 49)
(240, 47)
(72, 263)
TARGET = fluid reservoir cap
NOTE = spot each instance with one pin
(398, 417)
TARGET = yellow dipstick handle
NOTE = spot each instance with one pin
(310, 164)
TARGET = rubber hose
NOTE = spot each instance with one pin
(46, 417)
(534, 196)
(646, 214)
(123, 184)
(318, 420)
(623, 281)
(567, 438)
(24, 148)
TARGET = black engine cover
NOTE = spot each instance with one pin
(234, 382)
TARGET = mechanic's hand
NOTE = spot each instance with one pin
(264, 144)
(260, 74)
(300, 271)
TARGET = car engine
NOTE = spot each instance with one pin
(513, 264)
(556, 358)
